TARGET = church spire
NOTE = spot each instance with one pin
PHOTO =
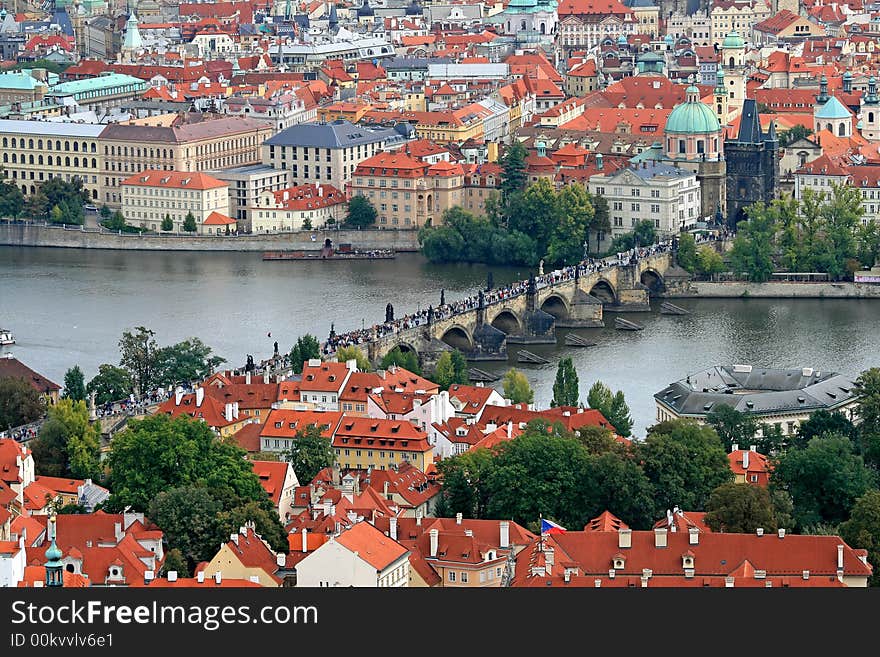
(54, 572)
(822, 98)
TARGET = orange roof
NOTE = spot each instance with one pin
(605, 522)
(33, 574)
(218, 219)
(174, 180)
(387, 434)
(472, 398)
(256, 394)
(248, 437)
(396, 164)
(757, 463)
(10, 451)
(210, 410)
(253, 552)
(328, 376)
(371, 545)
(194, 583)
(272, 475)
(285, 423)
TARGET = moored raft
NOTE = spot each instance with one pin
(626, 325)
(524, 356)
(573, 340)
(476, 374)
(667, 308)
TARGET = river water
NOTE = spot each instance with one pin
(70, 306)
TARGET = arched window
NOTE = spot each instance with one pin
(30, 143)
(682, 148)
(14, 142)
(76, 146)
(841, 130)
(543, 28)
(94, 163)
(802, 159)
(732, 62)
(58, 145)
(49, 160)
(39, 159)
(76, 162)
(829, 128)
(870, 117)
(14, 158)
(31, 159)
(67, 146)
(701, 146)
(40, 144)
(94, 148)
(5, 143)
(67, 161)
(5, 158)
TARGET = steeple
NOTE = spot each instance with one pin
(847, 83)
(720, 89)
(54, 569)
(333, 19)
(132, 40)
(771, 132)
(822, 98)
(871, 97)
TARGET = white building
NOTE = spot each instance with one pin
(361, 556)
(246, 184)
(302, 207)
(422, 410)
(669, 196)
(12, 563)
(148, 197)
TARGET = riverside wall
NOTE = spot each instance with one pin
(19, 234)
(772, 289)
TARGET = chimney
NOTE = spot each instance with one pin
(178, 396)
(734, 447)
(759, 531)
(840, 557)
(624, 538)
(247, 377)
(280, 559)
(806, 574)
(227, 411)
(670, 520)
(693, 536)
(468, 532)
(753, 448)
(266, 376)
(728, 582)
(392, 528)
(200, 395)
(435, 537)
(234, 538)
(419, 518)
(568, 576)
(305, 539)
(172, 575)
(660, 538)
(781, 533)
(385, 488)
(596, 582)
(745, 459)
(200, 577)
(504, 541)
(148, 576)
(218, 577)
(457, 518)
(509, 429)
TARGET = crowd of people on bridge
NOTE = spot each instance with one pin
(512, 290)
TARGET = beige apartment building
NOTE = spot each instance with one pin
(148, 197)
(219, 143)
(35, 151)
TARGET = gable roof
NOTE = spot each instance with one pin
(14, 368)
(371, 545)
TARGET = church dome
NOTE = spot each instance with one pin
(651, 56)
(621, 41)
(733, 40)
(833, 109)
(365, 10)
(669, 40)
(522, 4)
(692, 117)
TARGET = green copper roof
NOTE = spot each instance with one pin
(18, 81)
(733, 40)
(833, 109)
(692, 118)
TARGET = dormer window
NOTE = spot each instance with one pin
(619, 561)
(687, 560)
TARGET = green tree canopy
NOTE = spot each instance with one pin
(110, 384)
(345, 354)
(408, 360)
(361, 213)
(709, 262)
(862, 530)
(685, 461)
(188, 516)
(451, 368)
(306, 348)
(139, 355)
(513, 177)
(74, 384)
(189, 223)
(67, 445)
(464, 484)
(187, 361)
(264, 518)
(174, 562)
(752, 252)
(566, 390)
(310, 452)
(517, 388)
(732, 426)
(167, 223)
(740, 509)
(869, 416)
(158, 453)
(823, 423)
(11, 200)
(20, 403)
(612, 405)
(687, 252)
(824, 480)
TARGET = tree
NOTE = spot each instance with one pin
(116, 222)
(536, 213)
(105, 213)
(824, 480)
(20, 403)
(307, 224)
(408, 360)
(685, 461)
(740, 509)
(862, 530)
(174, 562)
(464, 484)
(517, 388)
(459, 368)
(344, 354)
(184, 362)
(752, 252)
(869, 416)
(139, 355)
(687, 252)
(793, 134)
(189, 223)
(513, 176)
(265, 523)
(841, 213)
(612, 405)
(566, 391)
(68, 196)
(613, 481)
(305, 349)
(167, 223)
(310, 453)
(158, 453)
(575, 217)
(361, 212)
(868, 244)
(188, 516)
(74, 384)
(732, 426)
(110, 384)
(11, 200)
(822, 423)
(444, 373)
(68, 446)
(709, 262)
(645, 233)
(463, 237)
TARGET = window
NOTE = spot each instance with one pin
(451, 575)
(753, 478)
(464, 578)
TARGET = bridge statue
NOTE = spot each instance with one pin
(430, 314)
(541, 267)
(332, 331)
(481, 300)
(275, 345)
(249, 367)
(490, 281)
(389, 313)
(533, 285)
(442, 297)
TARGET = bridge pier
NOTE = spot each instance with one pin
(631, 301)
(586, 312)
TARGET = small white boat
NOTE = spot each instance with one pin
(6, 337)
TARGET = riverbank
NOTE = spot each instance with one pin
(773, 290)
(41, 235)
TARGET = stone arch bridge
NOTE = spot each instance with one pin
(531, 317)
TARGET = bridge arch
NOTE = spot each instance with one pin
(604, 291)
(653, 280)
(459, 338)
(508, 322)
(556, 305)
(406, 347)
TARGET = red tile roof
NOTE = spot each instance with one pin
(308, 197)
(329, 376)
(14, 368)
(210, 410)
(10, 452)
(33, 574)
(248, 437)
(776, 23)
(194, 583)
(272, 475)
(371, 545)
(60, 484)
(382, 434)
(472, 398)
(605, 522)
(285, 423)
(218, 219)
(254, 395)
(174, 180)
(253, 552)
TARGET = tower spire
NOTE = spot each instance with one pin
(54, 573)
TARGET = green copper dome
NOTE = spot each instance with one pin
(733, 40)
(692, 117)
(833, 109)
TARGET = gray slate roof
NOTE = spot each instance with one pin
(757, 390)
(337, 134)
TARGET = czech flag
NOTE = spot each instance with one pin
(550, 527)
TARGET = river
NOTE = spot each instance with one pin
(70, 306)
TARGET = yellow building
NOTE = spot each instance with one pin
(352, 112)
(246, 556)
(150, 196)
(363, 442)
